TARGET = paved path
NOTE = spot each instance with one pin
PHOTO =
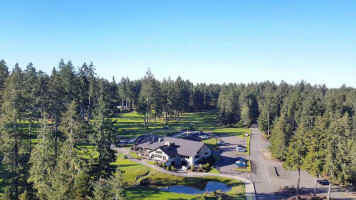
(250, 190)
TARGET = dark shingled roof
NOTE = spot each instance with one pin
(169, 150)
(183, 147)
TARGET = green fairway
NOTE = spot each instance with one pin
(131, 124)
(203, 121)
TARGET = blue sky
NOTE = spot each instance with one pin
(200, 40)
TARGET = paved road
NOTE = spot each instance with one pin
(268, 183)
(263, 175)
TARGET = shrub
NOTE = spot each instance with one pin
(173, 169)
(207, 166)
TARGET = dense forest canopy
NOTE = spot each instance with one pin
(315, 124)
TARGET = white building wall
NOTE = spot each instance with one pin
(158, 158)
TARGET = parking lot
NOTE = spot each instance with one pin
(226, 164)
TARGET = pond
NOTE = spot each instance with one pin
(210, 187)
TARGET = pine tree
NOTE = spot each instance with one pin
(67, 76)
(150, 97)
(314, 161)
(278, 139)
(4, 73)
(101, 190)
(104, 132)
(295, 154)
(15, 152)
(117, 185)
(31, 87)
(56, 104)
(42, 162)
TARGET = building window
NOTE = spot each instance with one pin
(196, 156)
(206, 153)
(158, 156)
(164, 158)
(159, 152)
(182, 156)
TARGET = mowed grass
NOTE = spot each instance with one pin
(131, 169)
(131, 124)
(206, 121)
(232, 131)
(149, 193)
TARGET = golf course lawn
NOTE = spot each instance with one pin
(131, 124)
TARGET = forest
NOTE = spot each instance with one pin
(45, 118)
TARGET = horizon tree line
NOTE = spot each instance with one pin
(310, 128)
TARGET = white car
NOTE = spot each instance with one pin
(241, 148)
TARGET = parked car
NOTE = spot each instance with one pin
(221, 142)
(241, 159)
(323, 182)
(204, 137)
(241, 148)
(241, 163)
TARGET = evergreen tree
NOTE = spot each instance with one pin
(117, 185)
(15, 152)
(278, 139)
(4, 73)
(295, 154)
(42, 162)
(101, 190)
(104, 132)
(314, 161)
(56, 104)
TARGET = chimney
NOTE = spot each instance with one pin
(160, 139)
(167, 143)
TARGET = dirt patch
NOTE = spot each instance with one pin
(268, 155)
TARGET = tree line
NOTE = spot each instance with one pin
(310, 128)
(44, 119)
